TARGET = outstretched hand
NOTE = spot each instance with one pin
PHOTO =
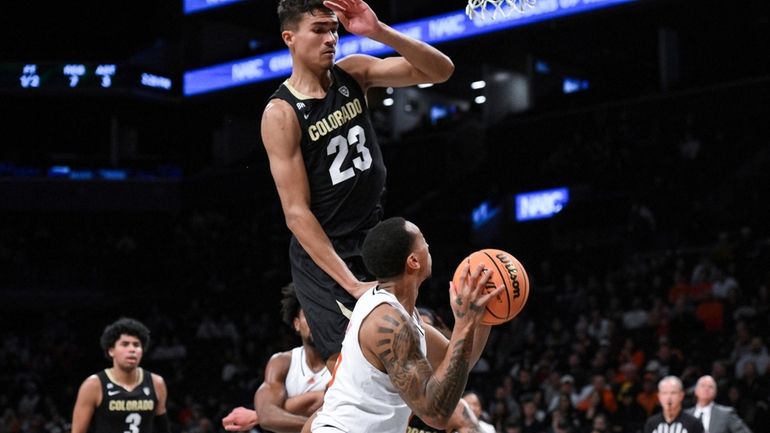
(356, 16)
(240, 419)
(468, 300)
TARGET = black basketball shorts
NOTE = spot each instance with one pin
(327, 306)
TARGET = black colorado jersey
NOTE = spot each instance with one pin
(342, 157)
(122, 411)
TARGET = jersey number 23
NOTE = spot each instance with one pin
(339, 146)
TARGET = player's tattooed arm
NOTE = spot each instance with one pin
(432, 394)
(391, 343)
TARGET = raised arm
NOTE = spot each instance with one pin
(281, 137)
(420, 62)
(462, 420)
(271, 396)
(390, 342)
(89, 397)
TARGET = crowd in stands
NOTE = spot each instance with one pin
(584, 356)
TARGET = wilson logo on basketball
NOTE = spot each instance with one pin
(512, 271)
(502, 269)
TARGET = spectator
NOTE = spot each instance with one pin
(681, 288)
(648, 396)
(597, 393)
(745, 408)
(476, 405)
(757, 355)
(601, 424)
(630, 415)
(710, 312)
(529, 421)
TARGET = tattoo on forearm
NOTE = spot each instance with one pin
(398, 347)
(446, 391)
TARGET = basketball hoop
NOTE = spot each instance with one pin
(482, 8)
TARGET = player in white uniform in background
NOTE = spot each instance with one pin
(294, 381)
(391, 363)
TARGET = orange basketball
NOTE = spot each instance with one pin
(506, 270)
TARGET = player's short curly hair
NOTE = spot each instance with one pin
(290, 11)
(289, 304)
(124, 326)
(386, 248)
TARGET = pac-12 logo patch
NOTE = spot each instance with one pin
(344, 90)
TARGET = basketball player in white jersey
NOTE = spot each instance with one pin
(294, 381)
(391, 363)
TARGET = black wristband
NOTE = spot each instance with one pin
(161, 424)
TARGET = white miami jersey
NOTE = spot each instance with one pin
(300, 378)
(362, 398)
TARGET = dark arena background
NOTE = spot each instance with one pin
(619, 149)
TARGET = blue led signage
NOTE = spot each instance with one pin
(441, 28)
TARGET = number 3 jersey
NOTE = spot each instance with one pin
(342, 157)
(125, 411)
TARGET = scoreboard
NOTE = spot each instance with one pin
(74, 77)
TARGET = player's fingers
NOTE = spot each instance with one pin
(477, 271)
(232, 427)
(484, 300)
(485, 276)
(478, 278)
(464, 278)
(334, 5)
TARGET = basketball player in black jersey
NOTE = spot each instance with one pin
(324, 156)
(125, 397)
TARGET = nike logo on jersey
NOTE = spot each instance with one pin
(111, 393)
(303, 109)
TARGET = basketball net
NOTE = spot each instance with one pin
(482, 8)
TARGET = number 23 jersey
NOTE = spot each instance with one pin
(342, 157)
